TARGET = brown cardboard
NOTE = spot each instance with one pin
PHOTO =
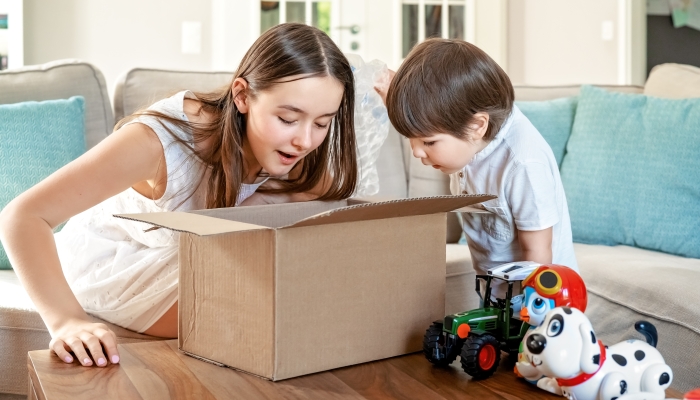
(286, 290)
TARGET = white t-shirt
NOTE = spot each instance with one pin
(519, 167)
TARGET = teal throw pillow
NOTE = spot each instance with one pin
(632, 171)
(36, 139)
(554, 119)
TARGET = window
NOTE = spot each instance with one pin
(314, 13)
(421, 19)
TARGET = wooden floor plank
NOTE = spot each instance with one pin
(226, 383)
(450, 382)
(158, 373)
(381, 380)
(55, 380)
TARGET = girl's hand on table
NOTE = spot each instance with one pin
(88, 341)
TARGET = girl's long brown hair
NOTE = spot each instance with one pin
(283, 51)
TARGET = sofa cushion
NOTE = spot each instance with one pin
(37, 139)
(540, 93)
(60, 80)
(553, 119)
(674, 81)
(391, 169)
(22, 330)
(627, 284)
(140, 87)
(460, 289)
(629, 174)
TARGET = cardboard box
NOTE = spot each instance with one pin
(286, 290)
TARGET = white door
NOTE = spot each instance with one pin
(342, 20)
(374, 29)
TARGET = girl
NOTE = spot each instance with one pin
(288, 114)
(455, 105)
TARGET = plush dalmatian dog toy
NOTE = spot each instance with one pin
(564, 347)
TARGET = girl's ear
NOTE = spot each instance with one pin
(479, 125)
(240, 97)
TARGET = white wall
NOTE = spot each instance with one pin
(539, 42)
(491, 23)
(554, 42)
(116, 35)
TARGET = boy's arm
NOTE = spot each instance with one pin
(536, 245)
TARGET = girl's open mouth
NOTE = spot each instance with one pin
(287, 158)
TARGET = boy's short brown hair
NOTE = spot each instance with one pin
(441, 84)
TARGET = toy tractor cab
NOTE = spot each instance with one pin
(480, 335)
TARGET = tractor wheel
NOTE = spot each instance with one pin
(480, 356)
(440, 348)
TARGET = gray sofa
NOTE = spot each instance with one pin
(625, 283)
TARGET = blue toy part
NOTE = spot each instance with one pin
(536, 305)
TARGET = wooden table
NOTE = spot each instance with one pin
(157, 370)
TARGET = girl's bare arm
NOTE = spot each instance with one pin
(131, 156)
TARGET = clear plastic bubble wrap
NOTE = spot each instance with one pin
(371, 121)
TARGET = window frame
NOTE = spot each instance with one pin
(469, 21)
(308, 14)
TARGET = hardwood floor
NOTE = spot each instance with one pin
(157, 370)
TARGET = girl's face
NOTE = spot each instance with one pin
(287, 121)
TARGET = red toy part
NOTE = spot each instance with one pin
(692, 395)
(559, 283)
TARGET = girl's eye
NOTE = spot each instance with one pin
(322, 126)
(284, 121)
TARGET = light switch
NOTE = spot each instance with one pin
(607, 31)
(191, 37)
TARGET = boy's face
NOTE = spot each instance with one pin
(445, 152)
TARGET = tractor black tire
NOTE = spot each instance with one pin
(437, 347)
(480, 356)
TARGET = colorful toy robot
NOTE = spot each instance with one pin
(547, 287)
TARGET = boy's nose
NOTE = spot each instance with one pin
(417, 151)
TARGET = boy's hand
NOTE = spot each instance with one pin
(79, 337)
(382, 86)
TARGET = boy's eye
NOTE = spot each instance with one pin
(284, 121)
(429, 143)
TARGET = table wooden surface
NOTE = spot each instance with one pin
(157, 370)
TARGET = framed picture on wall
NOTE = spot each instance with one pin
(11, 32)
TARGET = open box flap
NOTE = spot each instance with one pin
(393, 209)
(201, 225)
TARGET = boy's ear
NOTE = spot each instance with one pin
(479, 125)
(240, 98)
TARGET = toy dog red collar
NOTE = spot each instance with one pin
(579, 379)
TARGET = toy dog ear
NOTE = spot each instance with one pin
(590, 350)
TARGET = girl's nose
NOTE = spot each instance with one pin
(302, 139)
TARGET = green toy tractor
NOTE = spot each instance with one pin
(480, 335)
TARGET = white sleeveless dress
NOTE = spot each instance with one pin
(117, 270)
